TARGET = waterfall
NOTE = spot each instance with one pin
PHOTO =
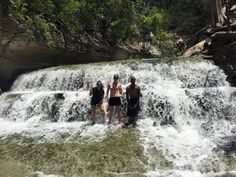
(188, 108)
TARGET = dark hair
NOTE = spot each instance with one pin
(116, 76)
(100, 82)
(132, 78)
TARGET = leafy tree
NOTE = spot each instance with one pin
(187, 16)
(5, 7)
(154, 22)
(114, 20)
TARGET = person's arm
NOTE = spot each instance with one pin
(120, 89)
(127, 94)
(108, 89)
(139, 92)
(91, 92)
(139, 95)
(103, 93)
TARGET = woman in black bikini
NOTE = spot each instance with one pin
(97, 94)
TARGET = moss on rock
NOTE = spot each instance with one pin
(119, 153)
(12, 169)
(158, 160)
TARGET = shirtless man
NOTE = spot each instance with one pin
(115, 90)
(133, 95)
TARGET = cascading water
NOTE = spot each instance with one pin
(188, 109)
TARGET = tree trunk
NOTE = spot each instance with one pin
(217, 16)
(228, 13)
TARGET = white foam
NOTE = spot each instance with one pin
(47, 131)
(195, 95)
(41, 174)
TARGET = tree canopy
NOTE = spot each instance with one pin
(111, 20)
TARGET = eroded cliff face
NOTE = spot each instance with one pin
(223, 52)
(220, 47)
(20, 53)
(22, 49)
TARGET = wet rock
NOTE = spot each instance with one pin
(154, 124)
(196, 49)
(160, 108)
(230, 144)
(59, 96)
(221, 48)
(233, 130)
(168, 122)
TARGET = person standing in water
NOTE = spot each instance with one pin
(0, 91)
(133, 95)
(115, 90)
(97, 94)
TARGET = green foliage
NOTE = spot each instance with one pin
(39, 6)
(113, 20)
(189, 16)
(66, 12)
(47, 32)
(154, 21)
(4, 7)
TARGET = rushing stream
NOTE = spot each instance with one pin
(186, 127)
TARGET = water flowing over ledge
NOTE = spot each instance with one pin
(188, 110)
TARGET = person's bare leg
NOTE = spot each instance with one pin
(101, 107)
(111, 108)
(93, 113)
(127, 121)
(118, 110)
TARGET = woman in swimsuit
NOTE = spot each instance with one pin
(97, 94)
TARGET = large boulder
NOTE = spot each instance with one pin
(223, 44)
(196, 49)
(223, 52)
(221, 48)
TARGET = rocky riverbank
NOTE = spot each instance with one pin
(223, 52)
(219, 46)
